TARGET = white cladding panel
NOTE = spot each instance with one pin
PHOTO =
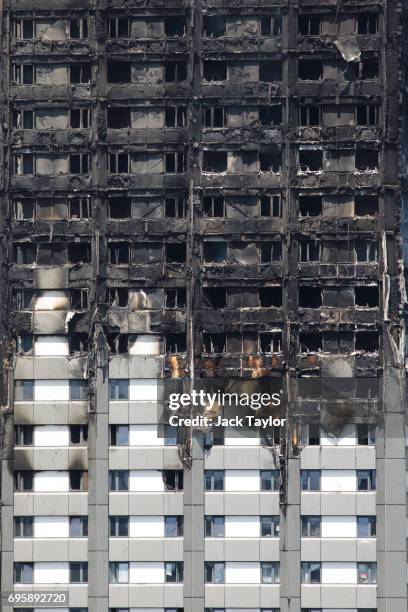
(242, 527)
(51, 572)
(146, 480)
(51, 526)
(242, 572)
(144, 435)
(146, 527)
(51, 345)
(338, 480)
(51, 390)
(51, 482)
(242, 480)
(145, 572)
(242, 441)
(51, 435)
(52, 300)
(339, 573)
(143, 389)
(339, 527)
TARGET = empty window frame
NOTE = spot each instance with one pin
(215, 161)
(270, 115)
(80, 73)
(23, 299)
(270, 252)
(310, 297)
(214, 206)
(214, 71)
(214, 343)
(366, 251)
(214, 117)
(119, 27)
(175, 252)
(119, 72)
(269, 342)
(367, 23)
(79, 118)
(24, 119)
(174, 26)
(270, 25)
(24, 29)
(23, 209)
(119, 253)
(119, 118)
(78, 343)
(119, 163)
(270, 71)
(310, 70)
(214, 297)
(310, 206)
(24, 253)
(78, 434)
(175, 343)
(310, 160)
(79, 252)
(214, 26)
(51, 254)
(118, 344)
(270, 297)
(175, 72)
(309, 250)
(309, 25)
(24, 74)
(366, 205)
(366, 433)
(366, 159)
(215, 252)
(176, 163)
(270, 161)
(367, 296)
(366, 114)
(175, 298)
(24, 164)
(119, 208)
(79, 163)
(118, 297)
(309, 116)
(175, 116)
(78, 28)
(271, 206)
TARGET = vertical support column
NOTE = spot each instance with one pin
(194, 589)
(6, 505)
(289, 549)
(98, 498)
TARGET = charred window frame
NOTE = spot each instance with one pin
(79, 118)
(23, 299)
(176, 162)
(367, 69)
(119, 27)
(24, 164)
(309, 25)
(271, 115)
(366, 434)
(79, 252)
(78, 28)
(270, 297)
(309, 434)
(175, 299)
(175, 208)
(173, 480)
(24, 253)
(214, 297)
(79, 208)
(366, 114)
(118, 344)
(174, 26)
(119, 208)
(78, 343)
(270, 25)
(309, 251)
(270, 252)
(24, 119)
(215, 161)
(366, 251)
(119, 118)
(214, 206)
(24, 74)
(367, 23)
(214, 117)
(214, 26)
(310, 342)
(24, 29)
(79, 299)
(119, 72)
(24, 344)
(119, 163)
(175, 343)
(78, 434)
(270, 342)
(366, 205)
(270, 71)
(310, 297)
(175, 116)
(79, 163)
(175, 72)
(367, 296)
(80, 73)
(270, 161)
(214, 71)
(78, 480)
(118, 297)
(271, 205)
(310, 70)
(214, 343)
(310, 206)
(23, 435)
(309, 115)
(310, 160)
(175, 252)
(51, 253)
(23, 209)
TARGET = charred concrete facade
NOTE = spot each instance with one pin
(202, 188)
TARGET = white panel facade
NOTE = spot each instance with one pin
(51, 526)
(242, 480)
(144, 435)
(338, 480)
(49, 346)
(143, 389)
(339, 527)
(51, 390)
(50, 482)
(337, 572)
(51, 572)
(146, 527)
(242, 572)
(242, 527)
(146, 480)
(51, 435)
(148, 572)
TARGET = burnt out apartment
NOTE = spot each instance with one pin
(202, 189)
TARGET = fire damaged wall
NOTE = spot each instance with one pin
(203, 188)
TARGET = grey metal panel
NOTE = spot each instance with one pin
(51, 550)
(339, 550)
(246, 549)
(339, 596)
(244, 596)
